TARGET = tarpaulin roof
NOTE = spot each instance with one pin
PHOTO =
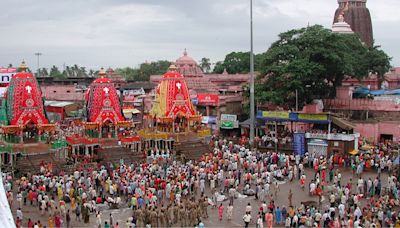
(366, 91)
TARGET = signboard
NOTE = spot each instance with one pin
(6, 74)
(277, 115)
(229, 121)
(228, 117)
(318, 117)
(229, 124)
(207, 99)
(299, 144)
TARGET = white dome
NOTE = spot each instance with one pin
(341, 26)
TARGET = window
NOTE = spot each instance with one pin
(54, 91)
(68, 91)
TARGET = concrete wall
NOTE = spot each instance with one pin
(361, 104)
(62, 93)
(373, 131)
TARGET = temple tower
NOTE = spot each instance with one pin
(357, 15)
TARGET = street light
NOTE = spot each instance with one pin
(38, 54)
(251, 76)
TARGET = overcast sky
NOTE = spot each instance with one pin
(96, 33)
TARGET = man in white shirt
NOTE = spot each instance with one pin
(247, 219)
(357, 214)
(248, 208)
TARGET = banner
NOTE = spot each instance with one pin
(277, 115)
(318, 117)
(299, 144)
(207, 99)
(208, 119)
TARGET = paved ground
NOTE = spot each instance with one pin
(239, 205)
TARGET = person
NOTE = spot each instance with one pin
(247, 219)
(30, 223)
(50, 221)
(276, 189)
(260, 223)
(78, 212)
(111, 220)
(19, 213)
(229, 211)
(106, 225)
(98, 219)
(269, 219)
(68, 218)
(201, 224)
(278, 216)
(288, 221)
(18, 222)
(248, 208)
(302, 181)
(57, 220)
(290, 197)
(220, 211)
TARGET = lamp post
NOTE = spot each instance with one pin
(252, 114)
(297, 103)
(38, 54)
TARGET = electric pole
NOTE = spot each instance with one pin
(252, 114)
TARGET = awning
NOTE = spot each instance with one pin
(246, 123)
(343, 124)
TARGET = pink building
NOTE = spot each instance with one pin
(376, 118)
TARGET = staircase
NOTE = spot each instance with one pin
(192, 149)
(114, 155)
(31, 163)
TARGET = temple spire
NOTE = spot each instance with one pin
(102, 73)
(23, 67)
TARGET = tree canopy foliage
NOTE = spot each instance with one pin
(144, 71)
(314, 61)
(69, 71)
(205, 65)
(237, 62)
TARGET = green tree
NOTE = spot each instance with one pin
(42, 72)
(313, 61)
(55, 73)
(144, 71)
(377, 62)
(238, 62)
(205, 64)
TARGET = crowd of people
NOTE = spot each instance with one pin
(167, 192)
